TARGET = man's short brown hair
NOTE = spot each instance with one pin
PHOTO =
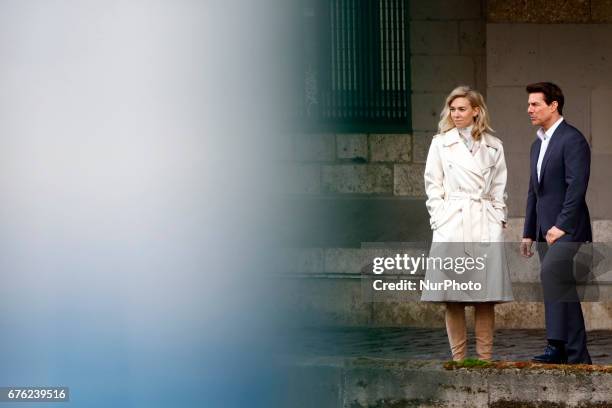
(551, 92)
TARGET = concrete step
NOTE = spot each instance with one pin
(324, 286)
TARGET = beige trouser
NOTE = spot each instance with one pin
(484, 316)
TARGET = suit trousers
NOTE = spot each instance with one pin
(563, 313)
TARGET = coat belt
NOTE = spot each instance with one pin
(466, 209)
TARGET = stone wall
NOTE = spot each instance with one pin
(578, 57)
(355, 164)
(447, 43)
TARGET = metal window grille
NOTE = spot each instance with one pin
(356, 69)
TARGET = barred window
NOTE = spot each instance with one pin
(356, 71)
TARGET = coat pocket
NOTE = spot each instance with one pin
(497, 213)
(448, 211)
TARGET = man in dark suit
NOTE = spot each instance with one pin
(557, 218)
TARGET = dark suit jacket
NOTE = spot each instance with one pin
(559, 197)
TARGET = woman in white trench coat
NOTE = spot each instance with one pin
(465, 181)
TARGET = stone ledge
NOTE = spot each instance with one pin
(374, 382)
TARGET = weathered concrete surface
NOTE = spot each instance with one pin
(539, 11)
(472, 37)
(601, 11)
(549, 12)
(352, 146)
(441, 73)
(420, 145)
(601, 120)
(426, 109)
(434, 37)
(390, 148)
(357, 178)
(371, 382)
(408, 180)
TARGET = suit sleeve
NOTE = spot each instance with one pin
(529, 230)
(577, 162)
(498, 186)
(434, 183)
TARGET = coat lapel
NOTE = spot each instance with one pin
(554, 142)
(483, 156)
(460, 153)
(534, 162)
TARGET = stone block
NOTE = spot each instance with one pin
(441, 73)
(480, 65)
(408, 180)
(601, 11)
(395, 148)
(512, 315)
(600, 58)
(352, 146)
(426, 108)
(304, 179)
(574, 63)
(597, 315)
(472, 37)
(512, 54)
(601, 120)
(357, 178)
(538, 11)
(577, 108)
(602, 230)
(518, 183)
(541, 388)
(388, 383)
(315, 147)
(508, 114)
(445, 10)
(434, 38)
(599, 194)
(420, 145)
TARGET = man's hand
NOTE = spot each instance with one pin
(526, 247)
(554, 234)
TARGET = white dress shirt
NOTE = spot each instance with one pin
(545, 138)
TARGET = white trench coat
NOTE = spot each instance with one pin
(466, 202)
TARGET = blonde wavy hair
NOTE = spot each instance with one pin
(481, 121)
